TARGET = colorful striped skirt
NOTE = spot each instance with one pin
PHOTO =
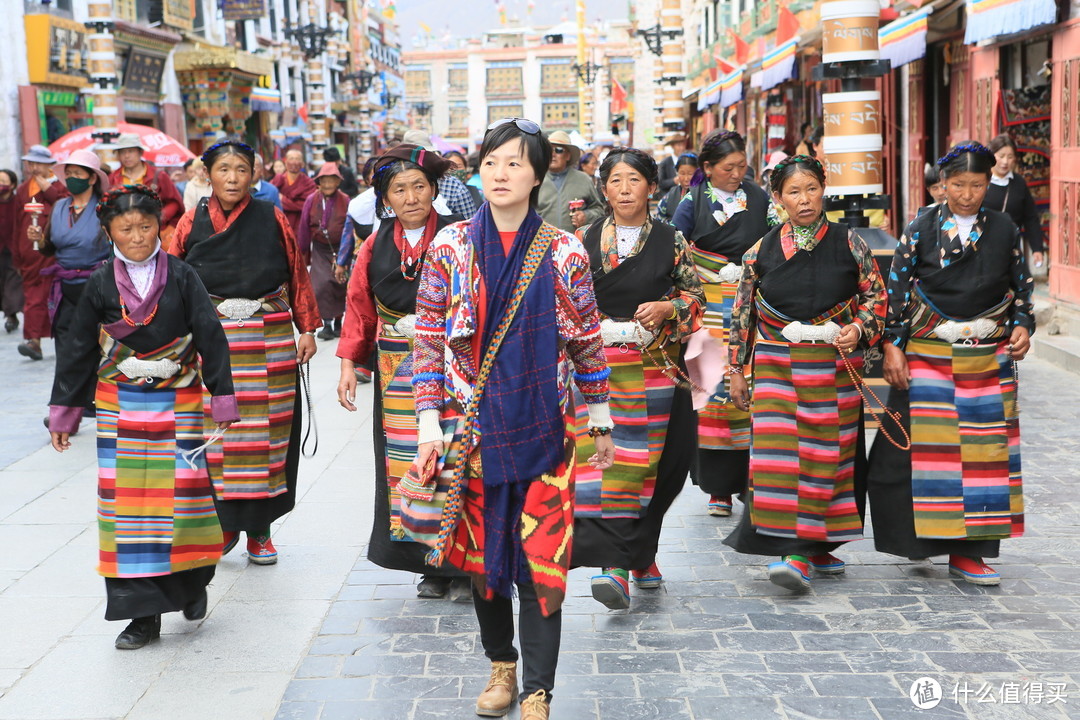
(155, 513)
(641, 399)
(397, 418)
(806, 419)
(250, 462)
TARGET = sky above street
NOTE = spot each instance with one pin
(470, 18)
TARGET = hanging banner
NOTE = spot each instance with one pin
(778, 64)
(731, 90)
(990, 18)
(178, 14)
(904, 39)
(243, 9)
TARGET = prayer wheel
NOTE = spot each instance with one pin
(852, 113)
(849, 30)
(853, 165)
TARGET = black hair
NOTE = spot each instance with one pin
(461, 155)
(786, 169)
(228, 147)
(802, 128)
(968, 156)
(473, 161)
(385, 174)
(331, 154)
(187, 163)
(537, 150)
(932, 176)
(127, 198)
(718, 145)
(366, 172)
(686, 159)
(11, 176)
(640, 161)
(1001, 141)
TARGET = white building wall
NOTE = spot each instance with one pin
(13, 73)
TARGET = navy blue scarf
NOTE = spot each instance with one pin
(521, 424)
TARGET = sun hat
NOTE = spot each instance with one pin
(561, 139)
(88, 160)
(39, 154)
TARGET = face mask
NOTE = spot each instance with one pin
(462, 175)
(77, 186)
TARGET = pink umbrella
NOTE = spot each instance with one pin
(162, 150)
(444, 146)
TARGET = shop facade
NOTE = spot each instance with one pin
(52, 104)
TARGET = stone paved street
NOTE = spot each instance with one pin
(326, 635)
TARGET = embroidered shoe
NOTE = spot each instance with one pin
(827, 564)
(973, 570)
(648, 579)
(501, 691)
(230, 541)
(612, 588)
(792, 572)
(261, 550)
(720, 505)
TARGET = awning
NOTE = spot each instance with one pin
(904, 39)
(778, 64)
(990, 18)
(710, 95)
(265, 100)
(731, 89)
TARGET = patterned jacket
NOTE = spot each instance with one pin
(446, 320)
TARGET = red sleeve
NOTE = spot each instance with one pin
(305, 308)
(361, 318)
(178, 247)
(303, 229)
(293, 196)
(171, 199)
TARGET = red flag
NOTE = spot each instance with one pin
(787, 25)
(742, 49)
(618, 97)
(724, 66)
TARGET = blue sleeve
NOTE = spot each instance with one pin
(683, 219)
(348, 242)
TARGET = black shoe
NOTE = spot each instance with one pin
(196, 609)
(11, 324)
(327, 331)
(139, 633)
(31, 350)
(337, 327)
(431, 587)
(461, 590)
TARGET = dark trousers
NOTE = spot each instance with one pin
(11, 292)
(540, 637)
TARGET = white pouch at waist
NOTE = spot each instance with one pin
(731, 273)
(406, 326)
(953, 331)
(625, 333)
(239, 308)
(797, 332)
(135, 368)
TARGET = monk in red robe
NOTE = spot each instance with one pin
(295, 187)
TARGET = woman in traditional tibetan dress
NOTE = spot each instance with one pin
(960, 317)
(810, 295)
(721, 217)
(145, 333)
(380, 312)
(247, 257)
(516, 526)
(648, 293)
(685, 168)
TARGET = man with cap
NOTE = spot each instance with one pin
(134, 170)
(322, 222)
(41, 187)
(294, 186)
(676, 146)
(566, 186)
(349, 186)
(451, 190)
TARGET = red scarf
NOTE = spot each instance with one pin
(411, 256)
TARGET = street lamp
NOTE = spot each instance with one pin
(311, 38)
(654, 37)
(422, 108)
(587, 72)
(361, 80)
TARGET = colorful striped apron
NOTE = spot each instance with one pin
(966, 481)
(249, 463)
(155, 513)
(805, 419)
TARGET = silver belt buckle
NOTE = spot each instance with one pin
(406, 326)
(797, 332)
(148, 370)
(239, 309)
(731, 273)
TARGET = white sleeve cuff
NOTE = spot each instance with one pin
(427, 427)
(600, 416)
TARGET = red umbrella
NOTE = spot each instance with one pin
(162, 150)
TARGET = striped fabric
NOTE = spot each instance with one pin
(966, 479)
(155, 513)
(249, 463)
(805, 418)
(641, 398)
(721, 426)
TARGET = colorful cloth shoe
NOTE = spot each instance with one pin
(720, 505)
(827, 564)
(612, 588)
(648, 579)
(974, 570)
(792, 572)
(363, 375)
(260, 550)
(231, 539)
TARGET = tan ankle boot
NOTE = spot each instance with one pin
(501, 691)
(535, 707)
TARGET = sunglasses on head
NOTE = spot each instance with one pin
(525, 126)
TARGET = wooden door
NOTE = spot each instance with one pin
(1065, 165)
(915, 117)
(986, 86)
